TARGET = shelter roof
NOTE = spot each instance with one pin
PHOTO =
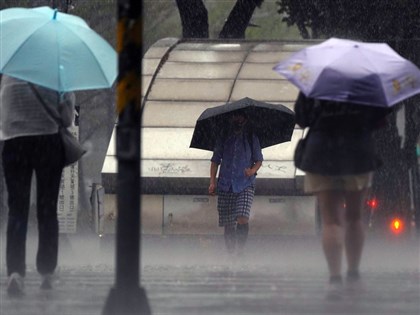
(181, 78)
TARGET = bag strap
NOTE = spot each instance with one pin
(38, 96)
(315, 119)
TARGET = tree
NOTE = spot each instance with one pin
(368, 20)
(394, 22)
(239, 18)
(194, 18)
(62, 4)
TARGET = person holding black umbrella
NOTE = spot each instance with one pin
(239, 156)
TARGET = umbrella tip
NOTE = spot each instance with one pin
(55, 14)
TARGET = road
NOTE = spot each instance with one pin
(193, 275)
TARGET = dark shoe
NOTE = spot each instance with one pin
(15, 285)
(46, 283)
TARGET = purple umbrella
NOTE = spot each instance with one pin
(350, 71)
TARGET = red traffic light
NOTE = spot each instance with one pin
(373, 203)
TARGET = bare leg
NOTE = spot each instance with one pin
(330, 203)
(354, 231)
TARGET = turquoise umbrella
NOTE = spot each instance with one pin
(55, 50)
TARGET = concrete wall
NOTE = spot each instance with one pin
(197, 214)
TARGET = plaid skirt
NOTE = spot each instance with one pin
(233, 205)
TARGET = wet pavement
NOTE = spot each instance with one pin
(193, 275)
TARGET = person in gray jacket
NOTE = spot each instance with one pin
(32, 144)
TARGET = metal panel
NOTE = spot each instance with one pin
(166, 152)
(265, 90)
(267, 57)
(207, 56)
(217, 46)
(259, 71)
(269, 215)
(174, 143)
(149, 66)
(170, 143)
(293, 47)
(201, 169)
(174, 114)
(283, 215)
(191, 90)
(151, 214)
(288, 47)
(198, 168)
(184, 70)
(145, 81)
(190, 215)
(283, 151)
(155, 52)
(164, 143)
(268, 46)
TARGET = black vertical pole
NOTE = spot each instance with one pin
(126, 297)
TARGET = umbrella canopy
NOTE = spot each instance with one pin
(350, 71)
(55, 50)
(273, 124)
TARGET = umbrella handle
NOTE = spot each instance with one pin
(55, 14)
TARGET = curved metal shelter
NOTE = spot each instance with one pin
(181, 78)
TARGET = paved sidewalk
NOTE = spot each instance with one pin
(194, 276)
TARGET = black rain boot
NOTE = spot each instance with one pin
(242, 236)
(230, 238)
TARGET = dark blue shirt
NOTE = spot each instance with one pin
(234, 156)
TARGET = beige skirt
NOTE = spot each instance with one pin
(316, 183)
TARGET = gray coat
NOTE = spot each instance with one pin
(22, 114)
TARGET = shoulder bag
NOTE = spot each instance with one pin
(73, 151)
(300, 150)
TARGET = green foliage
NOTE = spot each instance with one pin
(101, 15)
(270, 25)
(161, 18)
(4, 4)
(218, 13)
(358, 19)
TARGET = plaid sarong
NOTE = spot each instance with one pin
(233, 205)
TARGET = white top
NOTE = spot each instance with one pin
(22, 114)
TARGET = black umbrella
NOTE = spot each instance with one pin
(273, 124)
